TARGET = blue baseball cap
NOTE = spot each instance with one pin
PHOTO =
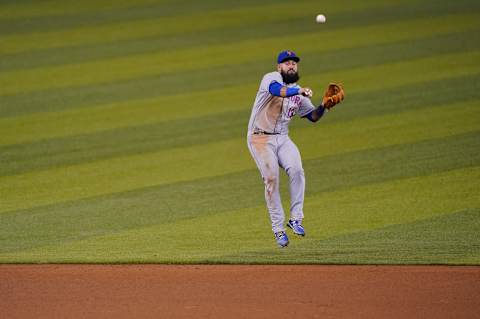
(287, 55)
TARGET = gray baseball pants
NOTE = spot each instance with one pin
(271, 152)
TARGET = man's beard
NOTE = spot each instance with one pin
(290, 77)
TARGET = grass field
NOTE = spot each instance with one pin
(123, 125)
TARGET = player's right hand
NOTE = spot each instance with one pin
(306, 92)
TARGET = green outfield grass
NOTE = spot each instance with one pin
(123, 126)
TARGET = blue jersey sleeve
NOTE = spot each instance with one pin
(320, 111)
(278, 89)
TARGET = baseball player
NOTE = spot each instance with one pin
(278, 99)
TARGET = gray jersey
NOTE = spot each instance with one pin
(271, 113)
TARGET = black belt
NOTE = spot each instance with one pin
(264, 133)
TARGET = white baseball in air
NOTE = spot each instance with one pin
(320, 18)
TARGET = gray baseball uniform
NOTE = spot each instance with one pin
(272, 148)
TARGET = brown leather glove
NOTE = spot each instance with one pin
(333, 95)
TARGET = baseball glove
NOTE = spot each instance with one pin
(333, 95)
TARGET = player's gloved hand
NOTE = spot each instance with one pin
(333, 95)
(306, 92)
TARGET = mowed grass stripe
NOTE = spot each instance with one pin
(395, 74)
(347, 212)
(112, 213)
(384, 130)
(77, 54)
(98, 15)
(123, 114)
(451, 238)
(104, 71)
(32, 128)
(166, 203)
(224, 241)
(366, 12)
(403, 98)
(135, 91)
(185, 131)
(58, 8)
(447, 238)
(179, 23)
(218, 158)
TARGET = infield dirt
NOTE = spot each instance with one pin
(230, 291)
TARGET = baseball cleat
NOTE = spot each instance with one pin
(282, 238)
(297, 227)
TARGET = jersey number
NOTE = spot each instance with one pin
(291, 112)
